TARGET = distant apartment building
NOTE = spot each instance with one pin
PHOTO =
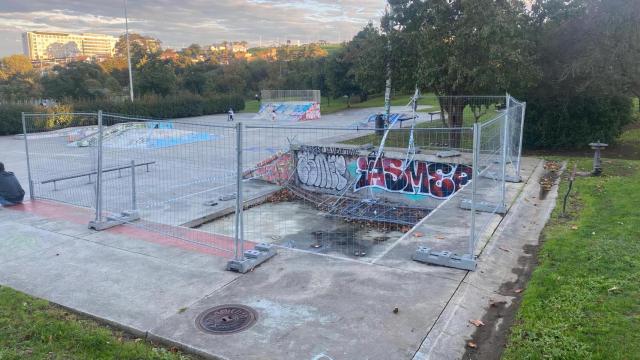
(41, 45)
(239, 47)
(236, 47)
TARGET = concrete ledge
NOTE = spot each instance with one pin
(228, 209)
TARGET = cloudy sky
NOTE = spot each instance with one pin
(179, 23)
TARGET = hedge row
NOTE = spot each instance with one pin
(151, 106)
(573, 122)
(166, 107)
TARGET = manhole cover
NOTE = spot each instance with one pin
(227, 319)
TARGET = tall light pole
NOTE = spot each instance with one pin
(126, 26)
(387, 88)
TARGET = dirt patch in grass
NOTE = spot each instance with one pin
(490, 340)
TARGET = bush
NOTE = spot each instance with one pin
(11, 118)
(557, 122)
(177, 106)
(170, 107)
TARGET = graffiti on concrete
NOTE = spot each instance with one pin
(275, 169)
(438, 180)
(322, 170)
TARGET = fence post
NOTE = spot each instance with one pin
(26, 149)
(239, 205)
(475, 170)
(524, 108)
(134, 205)
(99, 172)
(505, 147)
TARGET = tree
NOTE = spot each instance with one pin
(340, 79)
(466, 47)
(192, 51)
(590, 45)
(79, 80)
(156, 77)
(366, 53)
(139, 46)
(588, 54)
(18, 79)
(15, 65)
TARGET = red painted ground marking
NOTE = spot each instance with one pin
(56, 211)
(199, 241)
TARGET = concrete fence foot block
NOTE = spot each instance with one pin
(252, 258)
(484, 206)
(445, 258)
(114, 220)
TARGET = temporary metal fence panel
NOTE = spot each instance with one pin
(173, 174)
(341, 191)
(516, 114)
(489, 190)
(59, 169)
(290, 96)
(337, 191)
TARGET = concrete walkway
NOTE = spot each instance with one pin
(309, 306)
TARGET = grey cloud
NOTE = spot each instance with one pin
(181, 23)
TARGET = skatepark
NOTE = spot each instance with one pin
(344, 265)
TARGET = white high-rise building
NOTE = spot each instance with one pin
(41, 45)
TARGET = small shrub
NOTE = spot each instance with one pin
(11, 117)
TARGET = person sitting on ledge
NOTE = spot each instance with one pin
(11, 193)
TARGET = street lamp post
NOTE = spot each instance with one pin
(126, 26)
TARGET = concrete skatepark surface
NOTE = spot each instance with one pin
(309, 306)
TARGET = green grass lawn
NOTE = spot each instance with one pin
(31, 328)
(329, 106)
(583, 299)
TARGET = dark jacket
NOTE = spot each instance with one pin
(10, 188)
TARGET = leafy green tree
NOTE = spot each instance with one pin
(366, 53)
(340, 79)
(79, 80)
(590, 45)
(588, 54)
(18, 79)
(139, 46)
(466, 47)
(155, 77)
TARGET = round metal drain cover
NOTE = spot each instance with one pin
(227, 319)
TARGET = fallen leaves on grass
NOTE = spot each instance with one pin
(477, 323)
(574, 227)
